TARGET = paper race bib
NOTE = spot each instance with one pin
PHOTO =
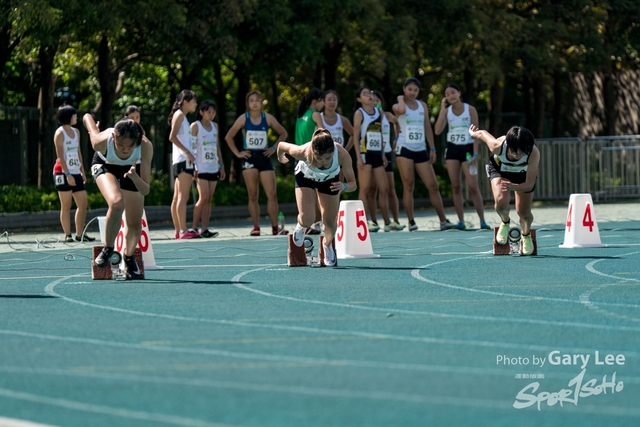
(256, 139)
(337, 134)
(73, 162)
(515, 169)
(459, 136)
(374, 141)
(209, 153)
(415, 134)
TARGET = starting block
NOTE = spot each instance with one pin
(514, 243)
(115, 270)
(302, 256)
(321, 251)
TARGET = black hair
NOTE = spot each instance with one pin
(313, 95)
(131, 109)
(204, 106)
(358, 92)
(127, 128)
(65, 113)
(452, 86)
(331, 91)
(321, 143)
(378, 94)
(412, 80)
(520, 139)
(185, 95)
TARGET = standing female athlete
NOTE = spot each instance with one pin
(209, 166)
(68, 175)
(257, 167)
(183, 160)
(121, 167)
(412, 154)
(512, 167)
(389, 145)
(317, 178)
(334, 122)
(459, 116)
(367, 136)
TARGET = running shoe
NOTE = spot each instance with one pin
(396, 226)
(69, 239)
(131, 268)
(484, 226)
(207, 233)
(503, 233)
(104, 257)
(255, 231)
(177, 235)
(460, 226)
(279, 231)
(413, 226)
(190, 234)
(298, 235)
(527, 244)
(387, 228)
(446, 225)
(84, 238)
(329, 256)
(373, 227)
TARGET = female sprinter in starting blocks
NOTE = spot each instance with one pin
(318, 172)
(121, 167)
(512, 167)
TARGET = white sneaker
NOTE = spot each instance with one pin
(329, 256)
(298, 235)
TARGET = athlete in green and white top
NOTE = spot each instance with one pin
(311, 103)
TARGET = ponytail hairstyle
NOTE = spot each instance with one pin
(186, 95)
(204, 106)
(127, 128)
(358, 92)
(520, 139)
(246, 98)
(313, 95)
(321, 143)
(65, 114)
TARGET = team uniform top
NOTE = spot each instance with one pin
(184, 135)
(458, 133)
(502, 164)
(371, 131)
(320, 175)
(305, 126)
(411, 134)
(336, 130)
(255, 136)
(70, 147)
(110, 157)
(386, 134)
(206, 148)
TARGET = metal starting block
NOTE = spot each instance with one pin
(113, 271)
(302, 256)
(513, 246)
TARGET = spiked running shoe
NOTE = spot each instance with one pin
(104, 257)
(459, 226)
(503, 233)
(373, 227)
(527, 244)
(484, 226)
(207, 233)
(446, 225)
(329, 256)
(131, 268)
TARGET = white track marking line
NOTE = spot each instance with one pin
(12, 422)
(106, 410)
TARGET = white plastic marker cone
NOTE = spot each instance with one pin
(581, 230)
(144, 243)
(352, 237)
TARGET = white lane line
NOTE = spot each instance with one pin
(107, 410)
(416, 273)
(436, 314)
(585, 298)
(12, 422)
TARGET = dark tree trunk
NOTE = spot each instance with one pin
(539, 103)
(526, 101)
(235, 173)
(331, 53)
(469, 94)
(107, 83)
(610, 95)
(497, 98)
(277, 113)
(557, 103)
(46, 152)
(220, 95)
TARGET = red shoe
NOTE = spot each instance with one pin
(279, 231)
(190, 234)
(255, 231)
